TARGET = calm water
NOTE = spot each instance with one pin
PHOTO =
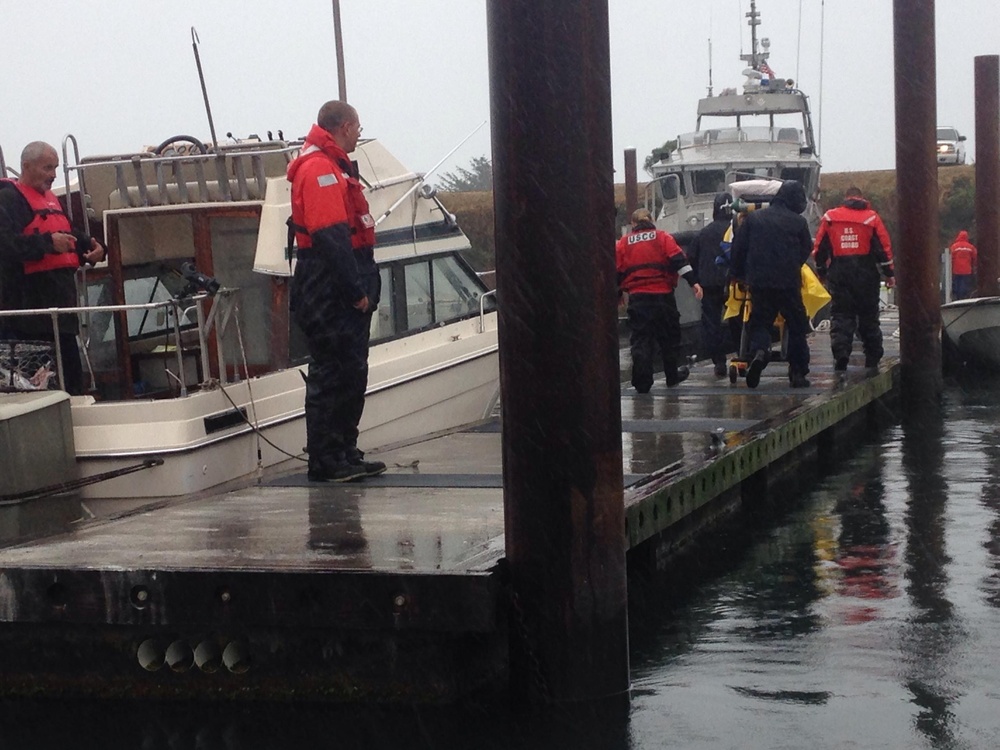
(867, 616)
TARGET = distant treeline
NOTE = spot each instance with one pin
(956, 201)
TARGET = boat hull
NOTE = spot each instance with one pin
(418, 385)
(971, 327)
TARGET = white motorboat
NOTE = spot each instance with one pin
(970, 330)
(191, 385)
(762, 131)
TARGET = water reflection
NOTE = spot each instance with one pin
(991, 500)
(931, 634)
(864, 556)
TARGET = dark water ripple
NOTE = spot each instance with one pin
(868, 616)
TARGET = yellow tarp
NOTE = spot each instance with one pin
(814, 295)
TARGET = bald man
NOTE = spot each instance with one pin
(335, 290)
(39, 257)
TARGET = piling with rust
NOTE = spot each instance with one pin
(917, 264)
(557, 292)
(988, 173)
(631, 182)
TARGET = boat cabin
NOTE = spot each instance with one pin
(196, 286)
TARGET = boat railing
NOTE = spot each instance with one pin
(175, 310)
(225, 173)
(482, 308)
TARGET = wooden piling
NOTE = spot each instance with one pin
(988, 173)
(917, 265)
(557, 292)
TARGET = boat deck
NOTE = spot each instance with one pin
(401, 558)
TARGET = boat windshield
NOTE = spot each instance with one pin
(744, 134)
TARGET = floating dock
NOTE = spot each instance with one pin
(391, 589)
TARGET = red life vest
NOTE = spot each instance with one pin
(850, 230)
(359, 218)
(48, 218)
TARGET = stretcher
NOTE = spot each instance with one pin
(751, 195)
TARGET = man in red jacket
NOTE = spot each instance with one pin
(334, 292)
(852, 252)
(964, 259)
(649, 264)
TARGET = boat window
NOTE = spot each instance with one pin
(455, 294)
(795, 173)
(384, 320)
(419, 309)
(148, 283)
(234, 243)
(669, 185)
(709, 181)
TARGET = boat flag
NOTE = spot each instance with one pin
(766, 70)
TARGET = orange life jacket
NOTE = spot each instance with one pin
(48, 218)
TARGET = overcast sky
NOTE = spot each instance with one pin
(121, 75)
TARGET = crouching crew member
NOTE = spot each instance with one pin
(649, 264)
(852, 252)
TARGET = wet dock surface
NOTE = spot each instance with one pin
(438, 506)
(394, 549)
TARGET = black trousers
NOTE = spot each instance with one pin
(335, 388)
(854, 308)
(766, 305)
(654, 324)
(716, 334)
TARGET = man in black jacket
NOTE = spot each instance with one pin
(768, 251)
(39, 257)
(704, 254)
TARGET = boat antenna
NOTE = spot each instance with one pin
(339, 44)
(822, 36)
(754, 58)
(798, 45)
(710, 66)
(710, 15)
(195, 41)
(423, 177)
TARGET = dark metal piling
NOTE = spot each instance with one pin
(556, 285)
(917, 264)
(631, 183)
(988, 173)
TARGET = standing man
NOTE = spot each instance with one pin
(852, 252)
(649, 264)
(334, 291)
(704, 254)
(964, 262)
(39, 256)
(768, 251)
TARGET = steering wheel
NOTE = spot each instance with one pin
(181, 139)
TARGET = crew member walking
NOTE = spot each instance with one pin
(964, 262)
(335, 291)
(649, 264)
(705, 253)
(852, 252)
(768, 251)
